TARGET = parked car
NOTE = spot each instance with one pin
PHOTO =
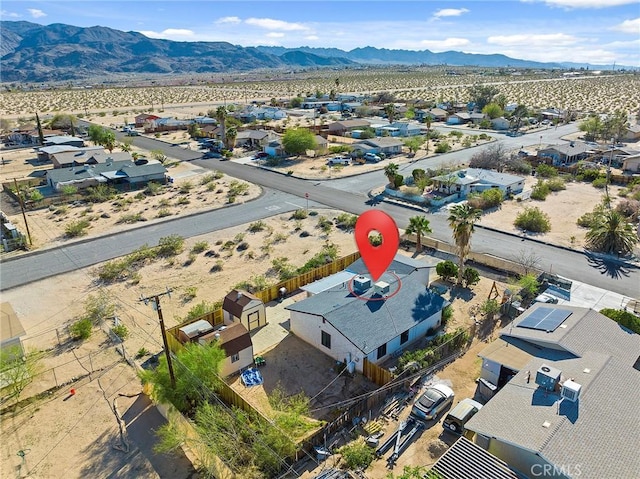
(261, 155)
(372, 157)
(459, 415)
(212, 154)
(133, 133)
(432, 402)
(546, 298)
(339, 160)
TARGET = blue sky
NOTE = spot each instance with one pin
(591, 31)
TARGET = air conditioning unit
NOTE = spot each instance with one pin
(361, 284)
(381, 288)
(570, 390)
(548, 377)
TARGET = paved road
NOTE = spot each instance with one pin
(348, 194)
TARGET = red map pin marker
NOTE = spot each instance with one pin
(377, 258)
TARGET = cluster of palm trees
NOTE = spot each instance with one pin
(462, 219)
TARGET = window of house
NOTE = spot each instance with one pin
(326, 340)
(235, 357)
(404, 337)
(382, 351)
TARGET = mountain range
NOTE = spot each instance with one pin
(46, 53)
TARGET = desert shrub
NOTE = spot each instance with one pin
(398, 181)
(470, 277)
(199, 310)
(540, 191)
(546, 171)
(623, 318)
(533, 219)
(164, 212)
(346, 221)
(190, 292)
(186, 187)
(487, 199)
(200, 247)
(324, 224)
(81, 329)
(100, 193)
(299, 214)
(529, 285)
(630, 209)
(152, 188)
(68, 190)
(171, 245)
(599, 182)
(257, 226)
(237, 188)
(283, 268)
(36, 196)
(490, 308)
(588, 220)
(588, 174)
(443, 147)
(519, 166)
(447, 270)
(556, 184)
(130, 218)
(121, 331)
(357, 454)
(76, 228)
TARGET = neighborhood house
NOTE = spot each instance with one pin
(476, 180)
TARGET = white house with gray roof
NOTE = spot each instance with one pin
(571, 409)
(350, 321)
(475, 180)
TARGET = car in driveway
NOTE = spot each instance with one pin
(432, 402)
(459, 415)
(372, 157)
(339, 160)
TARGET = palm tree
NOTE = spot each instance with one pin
(390, 171)
(427, 121)
(230, 138)
(390, 110)
(612, 234)
(418, 225)
(461, 219)
(221, 116)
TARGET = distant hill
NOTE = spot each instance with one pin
(37, 53)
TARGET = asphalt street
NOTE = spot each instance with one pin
(283, 193)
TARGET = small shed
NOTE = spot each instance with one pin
(236, 342)
(193, 331)
(11, 329)
(245, 308)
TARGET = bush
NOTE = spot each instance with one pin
(599, 182)
(76, 228)
(540, 191)
(398, 181)
(357, 454)
(171, 245)
(447, 270)
(556, 184)
(299, 214)
(588, 174)
(257, 226)
(200, 247)
(443, 147)
(121, 331)
(346, 221)
(81, 329)
(447, 314)
(487, 199)
(470, 276)
(152, 188)
(546, 171)
(532, 219)
(630, 209)
(623, 318)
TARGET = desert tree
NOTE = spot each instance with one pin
(390, 111)
(18, 369)
(462, 218)
(481, 95)
(221, 116)
(297, 141)
(419, 226)
(528, 259)
(612, 233)
(492, 110)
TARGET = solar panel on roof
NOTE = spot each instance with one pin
(545, 319)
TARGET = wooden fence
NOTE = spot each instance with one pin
(375, 373)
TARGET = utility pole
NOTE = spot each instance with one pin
(21, 201)
(156, 305)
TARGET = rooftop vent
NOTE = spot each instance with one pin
(548, 377)
(381, 288)
(570, 390)
(361, 284)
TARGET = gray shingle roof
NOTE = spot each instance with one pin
(369, 323)
(600, 431)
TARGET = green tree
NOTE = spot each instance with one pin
(414, 143)
(462, 218)
(102, 136)
(409, 472)
(231, 135)
(126, 145)
(39, 126)
(615, 125)
(64, 121)
(390, 171)
(296, 141)
(196, 373)
(17, 369)
(623, 318)
(592, 127)
(612, 233)
(481, 95)
(447, 270)
(492, 110)
(533, 219)
(419, 226)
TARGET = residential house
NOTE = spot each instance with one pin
(46, 153)
(387, 145)
(566, 154)
(275, 148)
(69, 159)
(124, 174)
(11, 329)
(476, 180)
(244, 308)
(233, 338)
(143, 118)
(632, 133)
(631, 164)
(436, 114)
(29, 135)
(357, 320)
(500, 123)
(211, 131)
(66, 140)
(399, 128)
(574, 373)
(166, 124)
(253, 139)
(552, 114)
(464, 117)
(339, 128)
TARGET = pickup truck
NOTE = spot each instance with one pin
(339, 160)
